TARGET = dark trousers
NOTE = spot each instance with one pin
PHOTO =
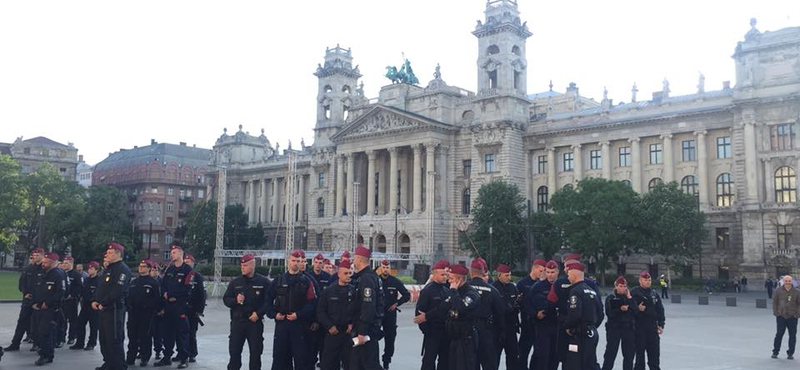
(87, 316)
(139, 336)
(23, 323)
(508, 343)
(158, 338)
(61, 326)
(614, 337)
(176, 335)
(112, 338)
(314, 339)
(665, 292)
(545, 348)
(194, 325)
(647, 341)
(585, 358)
(562, 344)
(336, 351)
(365, 356)
(71, 314)
(253, 333)
(784, 324)
(487, 344)
(389, 326)
(526, 338)
(435, 345)
(289, 346)
(45, 330)
(462, 353)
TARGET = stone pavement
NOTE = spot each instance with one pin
(697, 337)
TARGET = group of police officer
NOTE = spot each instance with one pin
(60, 301)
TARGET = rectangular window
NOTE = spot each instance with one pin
(154, 189)
(170, 206)
(62, 170)
(625, 156)
(723, 237)
(568, 162)
(201, 194)
(169, 221)
(168, 239)
(688, 150)
(542, 164)
(166, 256)
(170, 190)
(489, 163)
(321, 180)
(467, 163)
(319, 242)
(26, 150)
(656, 154)
(724, 147)
(784, 237)
(782, 136)
(595, 160)
(182, 193)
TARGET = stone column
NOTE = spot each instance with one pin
(264, 205)
(392, 180)
(301, 198)
(251, 201)
(417, 178)
(702, 169)
(381, 168)
(371, 182)
(351, 178)
(276, 200)
(339, 206)
(669, 170)
(750, 169)
(430, 166)
(552, 174)
(577, 164)
(636, 165)
(605, 148)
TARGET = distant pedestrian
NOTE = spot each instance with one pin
(737, 287)
(710, 285)
(664, 287)
(744, 284)
(786, 308)
(770, 286)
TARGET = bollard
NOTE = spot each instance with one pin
(730, 301)
(676, 298)
(702, 300)
(761, 303)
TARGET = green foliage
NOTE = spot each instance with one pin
(500, 206)
(201, 229)
(44, 187)
(547, 238)
(13, 202)
(236, 233)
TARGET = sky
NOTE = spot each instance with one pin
(106, 75)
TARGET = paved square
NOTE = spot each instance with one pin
(697, 337)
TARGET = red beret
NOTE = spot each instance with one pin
(621, 281)
(69, 258)
(344, 264)
(297, 253)
(441, 265)
(645, 274)
(540, 262)
(385, 263)
(51, 256)
(572, 257)
(188, 256)
(247, 258)
(577, 266)
(116, 247)
(346, 254)
(478, 264)
(319, 257)
(39, 250)
(146, 262)
(459, 269)
(326, 261)
(552, 265)
(175, 247)
(503, 269)
(363, 252)
(94, 265)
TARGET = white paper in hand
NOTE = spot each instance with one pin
(355, 340)
(573, 348)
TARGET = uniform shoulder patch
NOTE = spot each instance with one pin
(367, 292)
(573, 299)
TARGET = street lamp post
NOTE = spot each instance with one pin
(40, 237)
(150, 241)
(491, 248)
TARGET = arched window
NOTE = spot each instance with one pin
(465, 201)
(689, 185)
(320, 208)
(724, 190)
(653, 183)
(567, 187)
(492, 50)
(467, 116)
(346, 89)
(627, 182)
(785, 185)
(541, 198)
(328, 88)
(516, 51)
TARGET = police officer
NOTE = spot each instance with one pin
(197, 305)
(73, 296)
(544, 319)
(527, 336)
(291, 302)
(430, 314)
(61, 318)
(489, 315)
(336, 315)
(176, 288)
(47, 299)
(315, 336)
(620, 308)
(392, 286)
(158, 339)
(368, 312)
(109, 301)
(649, 323)
(144, 300)
(328, 267)
(462, 303)
(31, 274)
(246, 296)
(511, 305)
(580, 321)
(87, 315)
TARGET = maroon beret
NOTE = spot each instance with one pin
(540, 262)
(645, 274)
(188, 256)
(441, 265)
(247, 258)
(346, 254)
(175, 247)
(94, 265)
(572, 257)
(621, 281)
(51, 256)
(69, 258)
(552, 265)
(116, 247)
(577, 266)
(503, 269)
(326, 261)
(478, 264)
(39, 250)
(344, 264)
(319, 257)
(385, 263)
(297, 253)
(146, 262)
(459, 269)
(363, 252)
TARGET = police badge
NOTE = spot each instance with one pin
(367, 292)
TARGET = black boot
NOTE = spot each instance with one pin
(12, 348)
(164, 362)
(184, 364)
(43, 361)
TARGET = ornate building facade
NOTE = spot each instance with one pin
(399, 171)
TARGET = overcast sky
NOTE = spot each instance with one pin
(106, 75)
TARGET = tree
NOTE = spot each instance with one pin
(599, 219)
(236, 233)
(201, 230)
(673, 226)
(45, 187)
(13, 202)
(547, 237)
(499, 206)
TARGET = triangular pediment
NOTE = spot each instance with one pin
(381, 120)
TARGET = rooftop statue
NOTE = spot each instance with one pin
(404, 76)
